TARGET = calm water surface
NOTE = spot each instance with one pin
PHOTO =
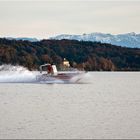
(103, 105)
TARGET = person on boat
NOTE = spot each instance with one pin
(50, 69)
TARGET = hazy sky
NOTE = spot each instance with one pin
(52, 17)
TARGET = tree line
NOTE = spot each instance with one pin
(91, 56)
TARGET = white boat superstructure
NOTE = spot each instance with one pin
(49, 73)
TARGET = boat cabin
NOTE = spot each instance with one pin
(49, 69)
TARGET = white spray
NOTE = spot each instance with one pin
(16, 74)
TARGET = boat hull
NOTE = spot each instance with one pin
(61, 77)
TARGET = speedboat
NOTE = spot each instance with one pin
(49, 73)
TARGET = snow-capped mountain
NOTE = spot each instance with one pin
(128, 40)
(24, 39)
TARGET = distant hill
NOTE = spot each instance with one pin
(81, 54)
(23, 39)
(131, 40)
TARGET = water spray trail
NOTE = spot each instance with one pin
(16, 74)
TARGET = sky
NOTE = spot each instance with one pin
(46, 18)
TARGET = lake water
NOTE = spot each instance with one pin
(102, 105)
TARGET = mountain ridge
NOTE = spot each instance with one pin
(131, 40)
(31, 39)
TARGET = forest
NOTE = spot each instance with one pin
(90, 56)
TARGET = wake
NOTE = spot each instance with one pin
(16, 74)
